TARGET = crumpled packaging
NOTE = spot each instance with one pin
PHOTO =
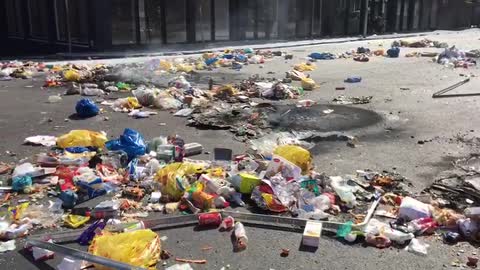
(172, 179)
(139, 248)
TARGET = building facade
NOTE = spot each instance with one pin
(46, 26)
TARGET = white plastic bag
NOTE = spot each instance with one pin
(413, 209)
(23, 169)
(417, 247)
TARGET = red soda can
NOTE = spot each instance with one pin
(209, 219)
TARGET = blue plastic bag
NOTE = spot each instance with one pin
(131, 142)
(240, 58)
(86, 108)
(19, 183)
(393, 52)
(77, 150)
(211, 61)
(322, 56)
(69, 198)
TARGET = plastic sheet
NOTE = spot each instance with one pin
(139, 248)
(84, 138)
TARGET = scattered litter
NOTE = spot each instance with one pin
(191, 261)
(48, 141)
(353, 79)
(352, 100)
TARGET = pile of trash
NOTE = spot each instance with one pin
(22, 70)
(424, 43)
(453, 57)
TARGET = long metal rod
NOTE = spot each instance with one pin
(440, 93)
(248, 218)
(78, 254)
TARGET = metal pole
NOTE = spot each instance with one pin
(68, 28)
(365, 19)
(78, 254)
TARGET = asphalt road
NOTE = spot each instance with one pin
(407, 116)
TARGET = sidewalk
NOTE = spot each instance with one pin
(198, 48)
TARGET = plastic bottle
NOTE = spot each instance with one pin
(17, 232)
(241, 236)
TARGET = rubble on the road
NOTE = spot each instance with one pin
(137, 176)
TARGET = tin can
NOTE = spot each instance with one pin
(209, 219)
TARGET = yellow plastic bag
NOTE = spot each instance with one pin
(83, 138)
(133, 103)
(139, 248)
(297, 155)
(71, 75)
(225, 91)
(304, 67)
(165, 65)
(171, 178)
(184, 68)
(308, 84)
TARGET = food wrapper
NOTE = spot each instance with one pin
(18, 210)
(171, 178)
(83, 138)
(139, 248)
(273, 204)
(75, 221)
(297, 155)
